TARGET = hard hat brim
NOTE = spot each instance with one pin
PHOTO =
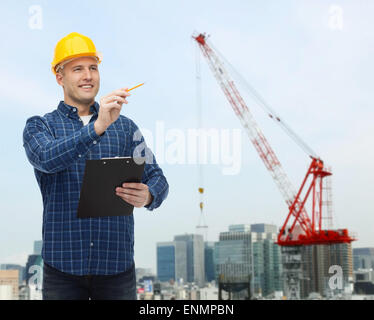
(97, 55)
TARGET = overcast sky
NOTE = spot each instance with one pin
(311, 61)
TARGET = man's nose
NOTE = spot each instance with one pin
(87, 74)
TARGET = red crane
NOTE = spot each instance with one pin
(298, 229)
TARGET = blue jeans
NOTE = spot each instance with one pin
(59, 285)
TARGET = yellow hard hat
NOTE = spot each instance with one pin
(74, 45)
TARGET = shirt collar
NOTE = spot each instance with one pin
(69, 110)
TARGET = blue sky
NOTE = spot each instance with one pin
(318, 78)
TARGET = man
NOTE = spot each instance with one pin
(91, 258)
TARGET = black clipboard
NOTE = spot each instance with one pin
(101, 177)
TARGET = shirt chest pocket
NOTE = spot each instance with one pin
(113, 144)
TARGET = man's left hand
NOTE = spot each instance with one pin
(136, 194)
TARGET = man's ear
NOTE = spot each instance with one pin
(59, 78)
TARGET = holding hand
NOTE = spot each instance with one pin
(136, 194)
(110, 109)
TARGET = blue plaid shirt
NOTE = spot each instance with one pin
(57, 145)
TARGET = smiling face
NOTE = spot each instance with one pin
(80, 79)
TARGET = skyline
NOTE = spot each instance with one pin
(22, 260)
(314, 73)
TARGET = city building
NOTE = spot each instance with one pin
(363, 258)
(182, 260)
(240, 228)
(173, 290)
(364, 275)
(143, 272)
(245, 256)
(210, 292)
(21, 270)
(38, 245)
(273, 282)
(166, 261)
(195, 257)
(209, 261)
(319, 263)
(363, 265)
(34, 269)
(263, 228)
(172, 261)
(24, 292)
(34, 277)
(364, 281)
(9, 282)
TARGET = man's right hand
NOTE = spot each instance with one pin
(110, 109)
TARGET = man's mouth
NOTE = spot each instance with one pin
(86, 86)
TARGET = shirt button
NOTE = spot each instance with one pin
(79, 155)
(74, 109)
(80, 119)
(94, 142)
(91, 244)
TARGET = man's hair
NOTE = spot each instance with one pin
(60, 71)
(61, 66)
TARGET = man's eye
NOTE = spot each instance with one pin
(77, 69)
(93, 68)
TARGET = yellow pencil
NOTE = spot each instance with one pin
(135, 87)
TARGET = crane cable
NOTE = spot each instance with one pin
(201, 190)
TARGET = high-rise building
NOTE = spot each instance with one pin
(166, 261)
(319, 263)
(272, 263)
(195, 257)
(239, 228)
(34, 269)
(21, 270)
(263, 228)
(363, 258)
(181, 263)
(38, 245)
(241, 254)
(9, 282)
(172, 261)
(364, 281)
(209, 261)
